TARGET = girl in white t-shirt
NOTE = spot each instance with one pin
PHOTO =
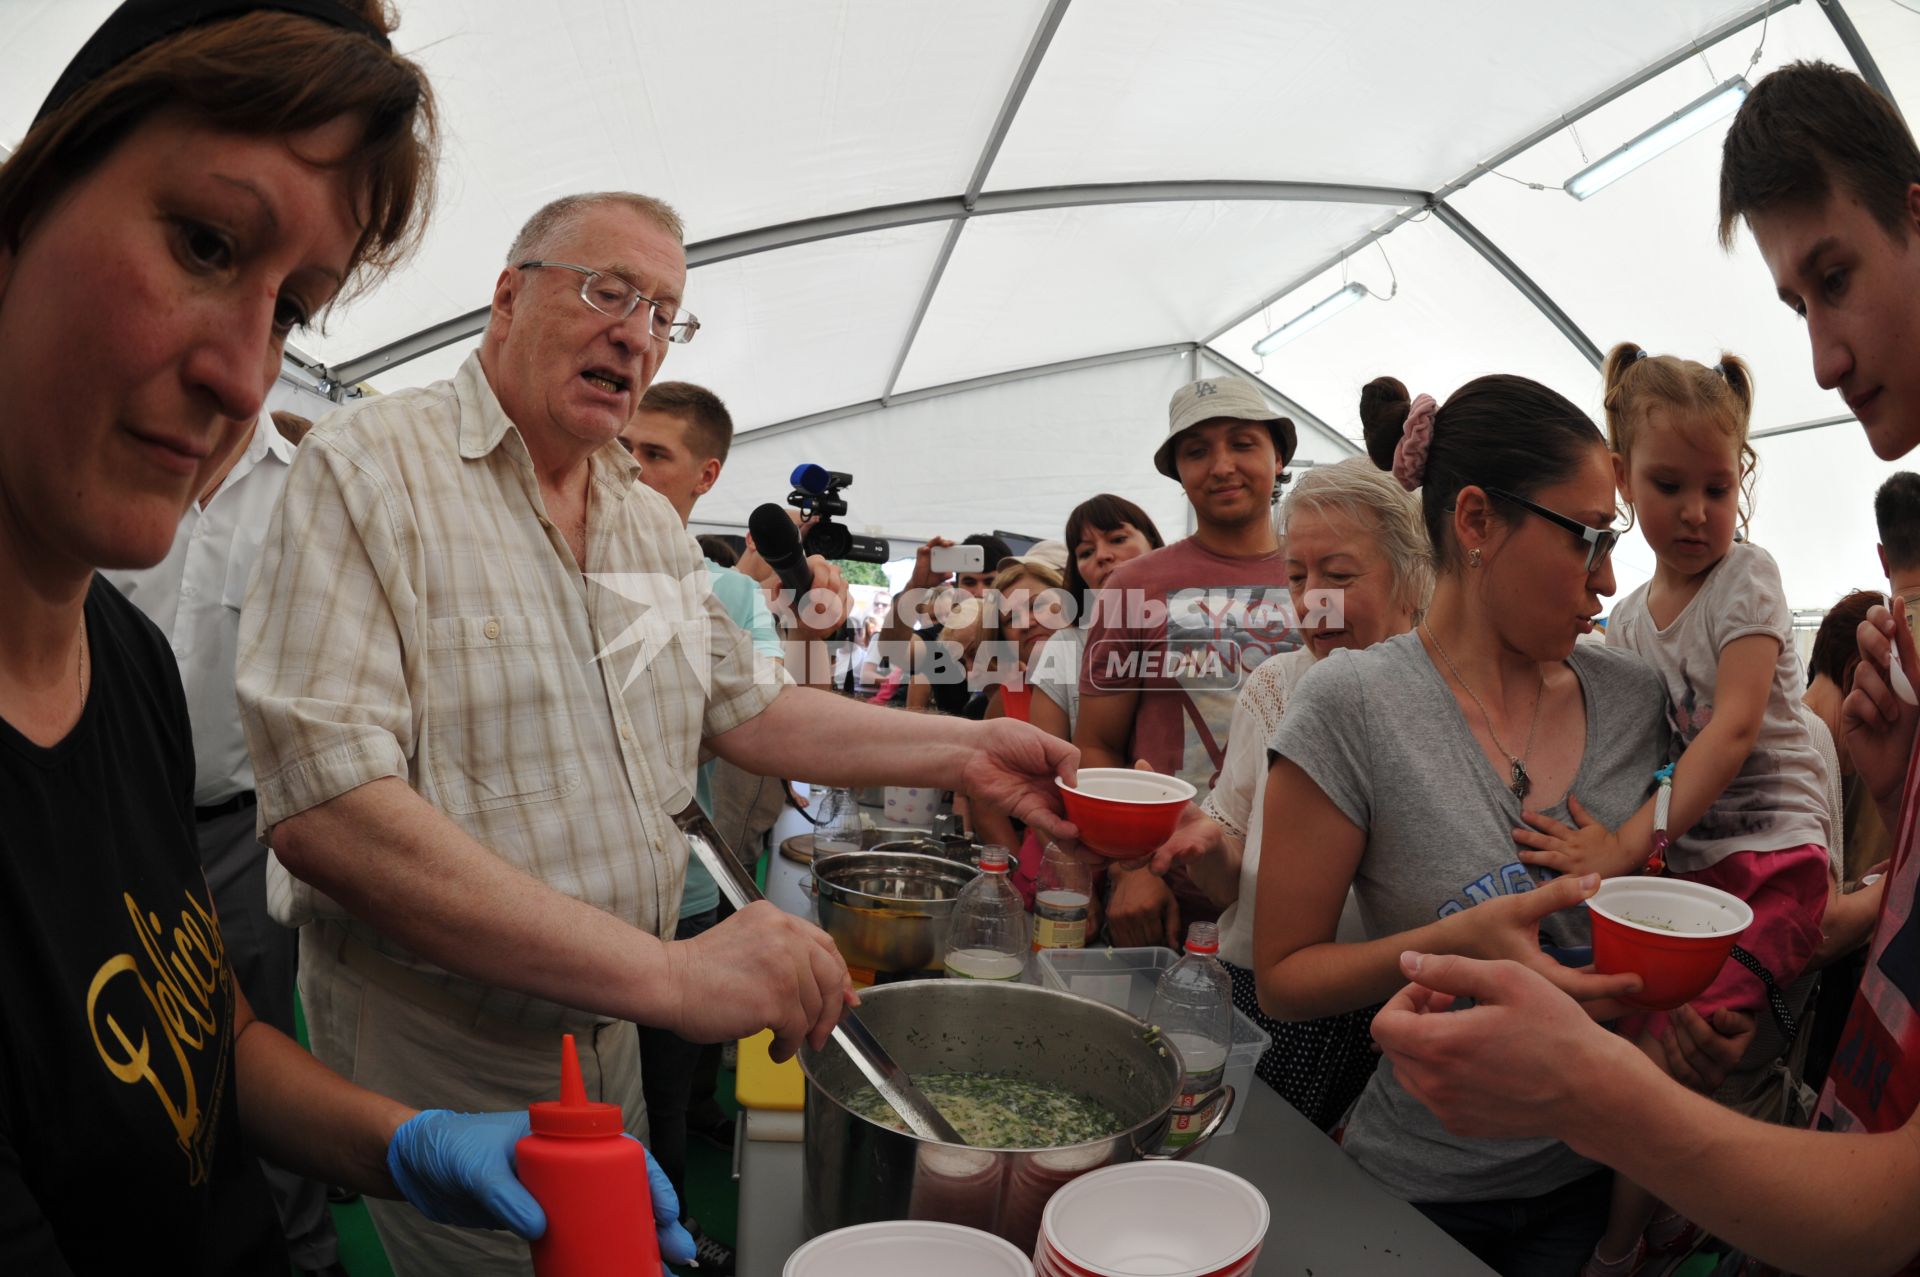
(1748, 810)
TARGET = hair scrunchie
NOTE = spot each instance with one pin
(1416, 436)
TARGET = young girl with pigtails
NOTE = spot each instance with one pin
(1746, 810)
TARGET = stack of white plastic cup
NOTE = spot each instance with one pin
(918, 1247)
(1152, 1219)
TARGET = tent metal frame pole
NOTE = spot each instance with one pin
(1652, 71)
(1692, 48)
(932, 286)
(424, 342)
(890, 216)
(1857, 48)
(1319, 268)
(1302, 416)
(297, 368)
(1016, 94)
(957, 387)
(996, 137)
(1774, 432)
(1521, 281)
(1033, 199)
(808, 230)
(974, 203)
(292, 354)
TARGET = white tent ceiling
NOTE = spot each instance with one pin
(965, 251)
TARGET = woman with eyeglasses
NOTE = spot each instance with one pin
(1359, 572)
(203, 179)
(1401, 772)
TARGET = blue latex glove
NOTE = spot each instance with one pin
(676, 1243)
(457, 1168)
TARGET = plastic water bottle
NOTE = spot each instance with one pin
(1193, 1009)
(987, 939)
(1062, 895)
(588, 1176)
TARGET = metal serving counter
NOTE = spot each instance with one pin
(1329, 1217)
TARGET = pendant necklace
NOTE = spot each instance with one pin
(1520, 782)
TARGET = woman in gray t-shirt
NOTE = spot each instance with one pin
(1401, 772)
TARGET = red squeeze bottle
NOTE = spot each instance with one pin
(591, 1180)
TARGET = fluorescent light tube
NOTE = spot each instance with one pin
(1717, 104)
(1313, 317)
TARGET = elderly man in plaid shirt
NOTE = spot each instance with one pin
(479, 663)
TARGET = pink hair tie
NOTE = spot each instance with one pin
(1416, 436)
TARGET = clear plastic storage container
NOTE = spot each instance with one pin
(1126, 978)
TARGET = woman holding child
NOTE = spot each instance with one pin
(1748, 806)
(1401, 772)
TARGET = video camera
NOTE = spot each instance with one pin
(816, 494)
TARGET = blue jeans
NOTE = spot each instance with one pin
(1546, 1236)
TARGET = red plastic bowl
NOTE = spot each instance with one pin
(1124, 813)
(1674, 934)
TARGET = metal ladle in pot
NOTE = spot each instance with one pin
(893, 1083)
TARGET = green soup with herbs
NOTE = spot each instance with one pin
(993, 1111)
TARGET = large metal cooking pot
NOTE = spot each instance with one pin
(888, 911)
(951, 846)
(858, 1171)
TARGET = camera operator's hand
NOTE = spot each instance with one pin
(827, 604)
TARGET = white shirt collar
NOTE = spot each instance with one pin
(269, 442)
(266, 442)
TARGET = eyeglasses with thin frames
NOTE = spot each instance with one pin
(615, 298)
(1600, 541)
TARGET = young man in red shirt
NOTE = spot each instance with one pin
(1174, 632)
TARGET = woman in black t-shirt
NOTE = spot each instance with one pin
(203, 178)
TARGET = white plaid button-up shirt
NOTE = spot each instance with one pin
(414, 614)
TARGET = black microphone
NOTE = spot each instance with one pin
(778, 542)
